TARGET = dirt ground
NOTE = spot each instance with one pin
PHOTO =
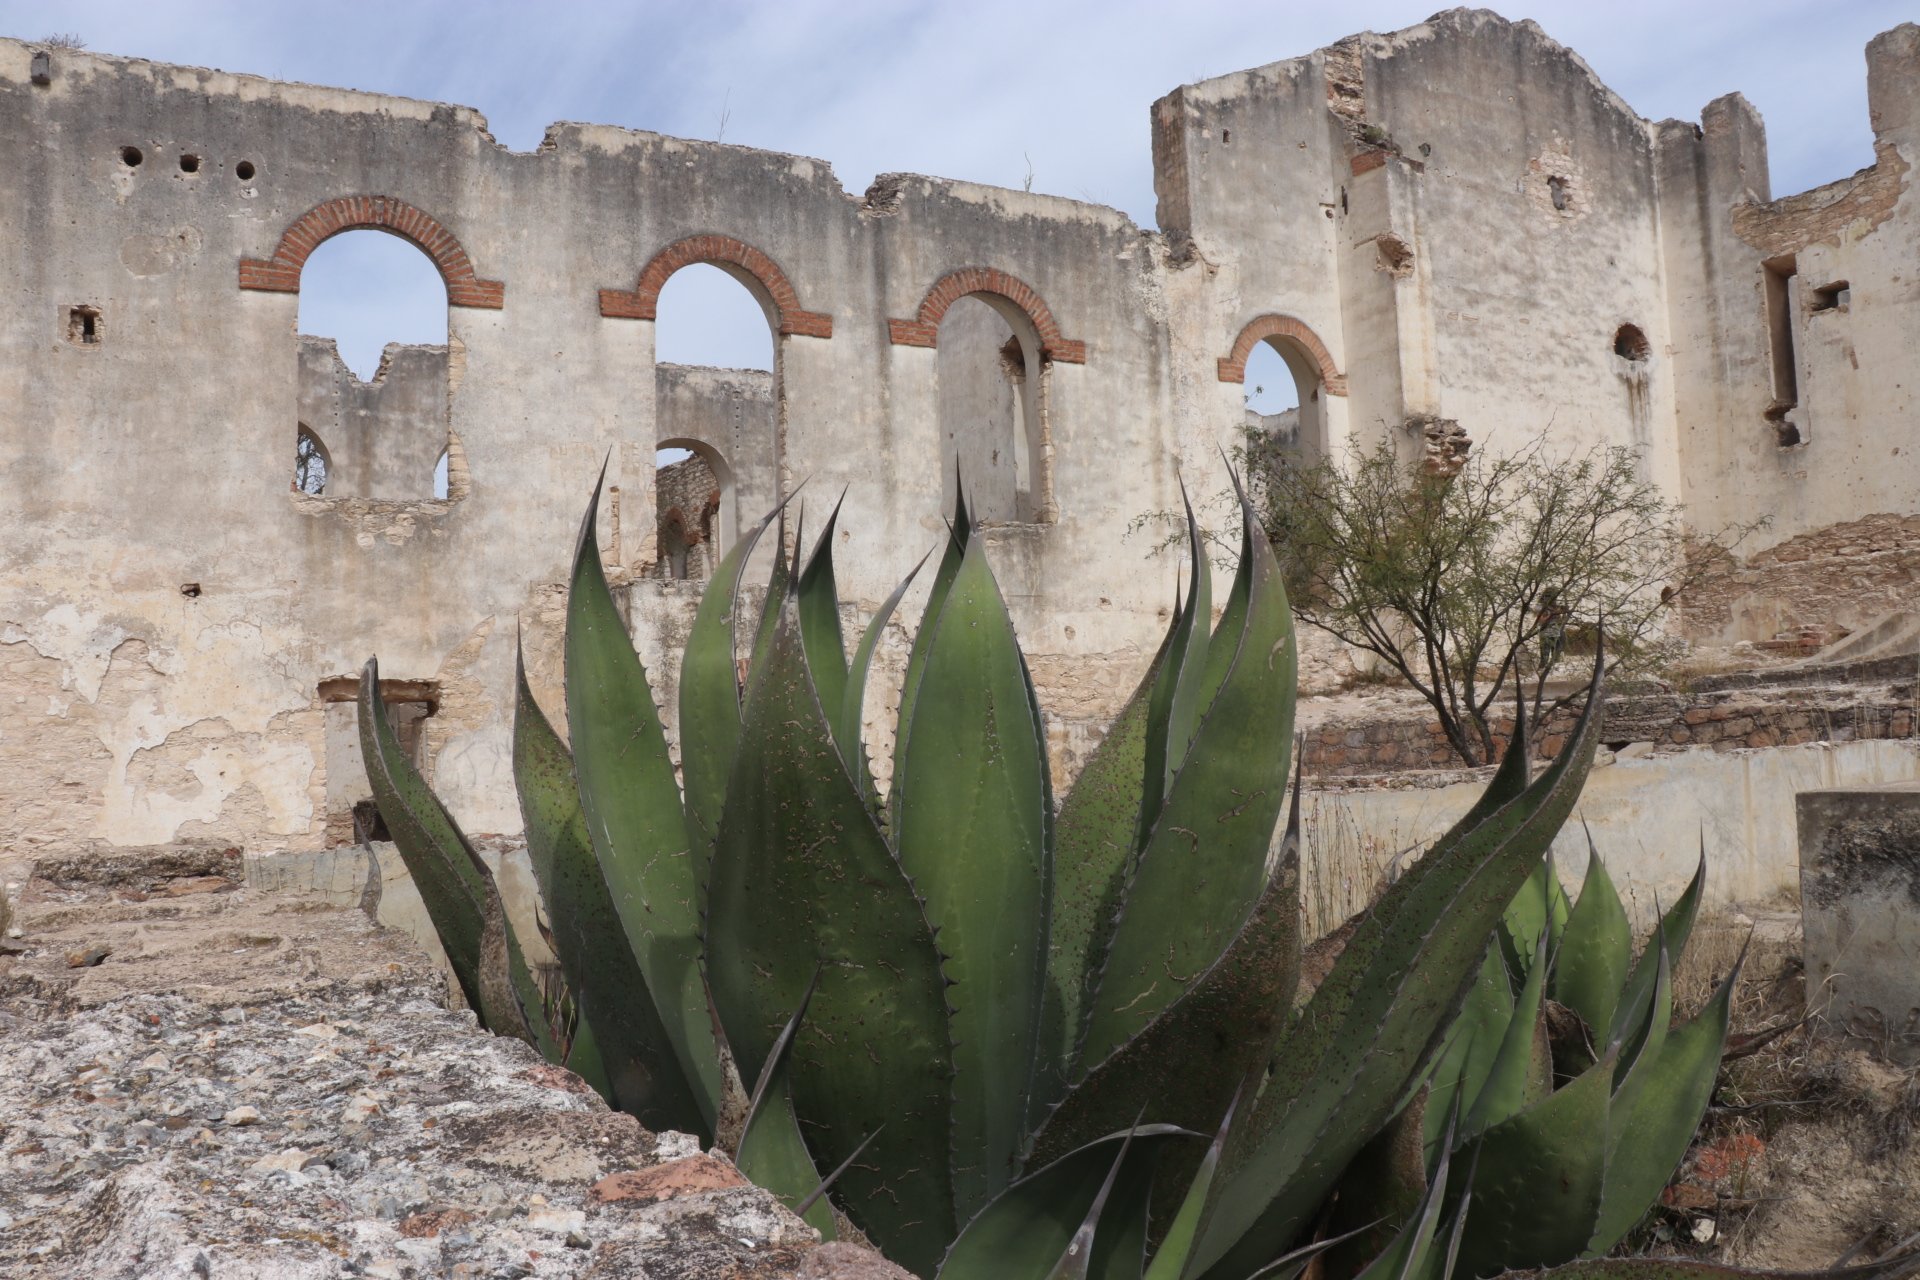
(1810, 1153)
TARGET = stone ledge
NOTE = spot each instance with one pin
(254, 1083)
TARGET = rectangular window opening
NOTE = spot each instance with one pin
(1831, 297)
(84, 327)
(1779, 287)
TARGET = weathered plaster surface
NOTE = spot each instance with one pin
(1450, 223)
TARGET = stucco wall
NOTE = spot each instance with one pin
(1384, 211)
(1650, 818)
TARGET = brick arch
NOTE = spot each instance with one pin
(924, 329)
(689, 533)
(642, 302)
(1233, 368)
(281, 272)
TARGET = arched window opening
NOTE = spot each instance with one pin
(1285, 402)
(674, 548)
(373, 365)
(440, 476)
(992, 381)
(716, 414)
(309, 463)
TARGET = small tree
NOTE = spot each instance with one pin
(1466, 579)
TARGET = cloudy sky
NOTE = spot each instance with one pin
(1060, 91)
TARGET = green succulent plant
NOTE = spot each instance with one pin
(1010, 1038)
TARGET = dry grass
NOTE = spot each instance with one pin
(1343, 870)
(1808, 1150)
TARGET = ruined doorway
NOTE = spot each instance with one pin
(349, 810)
(991, 406)
(373, 366)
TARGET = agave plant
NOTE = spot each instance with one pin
(1004, 1037)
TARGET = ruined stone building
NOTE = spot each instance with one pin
(1456, 222)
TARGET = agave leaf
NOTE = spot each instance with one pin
(1094, 842)
(1049, 1070)
(802, 879)
(1540, 906)
(1412, 1255)
(627, 1033)
(1675, 928)
(1028, 1227)
(1597, 948)
(1473, 1042)
(1192, 690)
(650, 857)
(584, 1060)
(773, 1152)
(1373, 1023)
(1078, 1257)
(710, 685)
(1655, 1013)
(1646, 1143)
(1120, 1244)
(1160, 714)
(1537, 1180)
(848, 717)
(1637, 1054)
(1510, 780)
(1385, 1187)
(511, 1002)
(437, 854)
(778, 584)
(1173, 1259)
(1185, 1065)
(1521, 1073)
(1901, 1263)
(969, 804)
(958, 535)
(819, 597)
(1208, 849)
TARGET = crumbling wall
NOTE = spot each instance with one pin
(383, 437)
(1838, 578)
(731, 419)
(152, 390)
(1797, 324)
(688, 496)
(1830, 706)
(1454, 223)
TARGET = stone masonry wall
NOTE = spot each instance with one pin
(1875, 701)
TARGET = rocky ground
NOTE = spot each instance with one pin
(204, 1082)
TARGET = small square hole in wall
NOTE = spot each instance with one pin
(85, 326)
(189, 164)
(1832, 297)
